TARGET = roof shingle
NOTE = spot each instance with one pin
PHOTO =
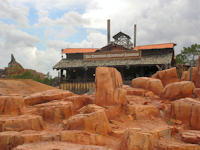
(155, 46)
(78, 50)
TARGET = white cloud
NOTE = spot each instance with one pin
(15, 41)
(17, 13)
(94, 39)
(67, 24)
(157, 21)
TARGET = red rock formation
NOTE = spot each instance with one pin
(113, 111)
(135, 91)
(55, 111)
(196, 92)
(191, 136)
(11, 105)
(95, 122)
(187, 110)
(140, 92)
(46, 96)
(136, 139)
(14, 67)
(10, 139)
(141, 112)
(79, 100)
(83, 137)
(186, 75)
(20, 123)
(58, 146)
(195, 74)
(118, 118)
(154, 85)
(166, 76)
(90, 108)
(109, 87)
(178, 90)
(175, 144)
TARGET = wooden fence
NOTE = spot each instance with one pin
(82, 87)
(78, 87)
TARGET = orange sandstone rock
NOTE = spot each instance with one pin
(175, 144)
(196, 92)
(166, 76)
(141, 112)
(9, 140)
(80, 100)
(11, 105)
(136, 139)
(178, 90)
(108, 87)
(113, 111)
(83, 137)
(195, 74)
(187, 110)
(96, 122)
(46, 96)
(136, 91)
(58, 146)
(90, 108)
(20, 123)
(55, 111)
(154, 85)
(191, 136)
(186, 75)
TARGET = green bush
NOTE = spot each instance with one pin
(29, 75)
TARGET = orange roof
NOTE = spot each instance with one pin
(155, 46)
(78, 50)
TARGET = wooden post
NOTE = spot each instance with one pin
(61, 75)
(59, 79)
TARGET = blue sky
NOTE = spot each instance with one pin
(54, 13)
(38, 30)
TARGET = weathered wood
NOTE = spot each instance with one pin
(77, 87)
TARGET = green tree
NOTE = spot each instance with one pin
(188, 55)
(29, 75)
(181, 59)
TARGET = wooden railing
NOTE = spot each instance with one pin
(77, 87)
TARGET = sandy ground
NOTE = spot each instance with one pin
(22, 87)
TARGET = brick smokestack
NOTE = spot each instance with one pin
(108, 31)
(134, 35)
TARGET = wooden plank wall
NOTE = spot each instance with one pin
(78, 87)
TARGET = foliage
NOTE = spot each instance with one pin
(181, 59)
(188, 55)
(29, 75)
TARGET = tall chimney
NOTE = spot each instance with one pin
(108, 31)
(134, 35)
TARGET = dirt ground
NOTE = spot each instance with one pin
(22, 87)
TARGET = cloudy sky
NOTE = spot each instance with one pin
(35, 31)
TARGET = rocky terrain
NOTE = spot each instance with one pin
(158, 113)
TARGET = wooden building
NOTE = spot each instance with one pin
(77, 67)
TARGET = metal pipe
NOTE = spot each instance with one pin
(134, 35)
(108, 31)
